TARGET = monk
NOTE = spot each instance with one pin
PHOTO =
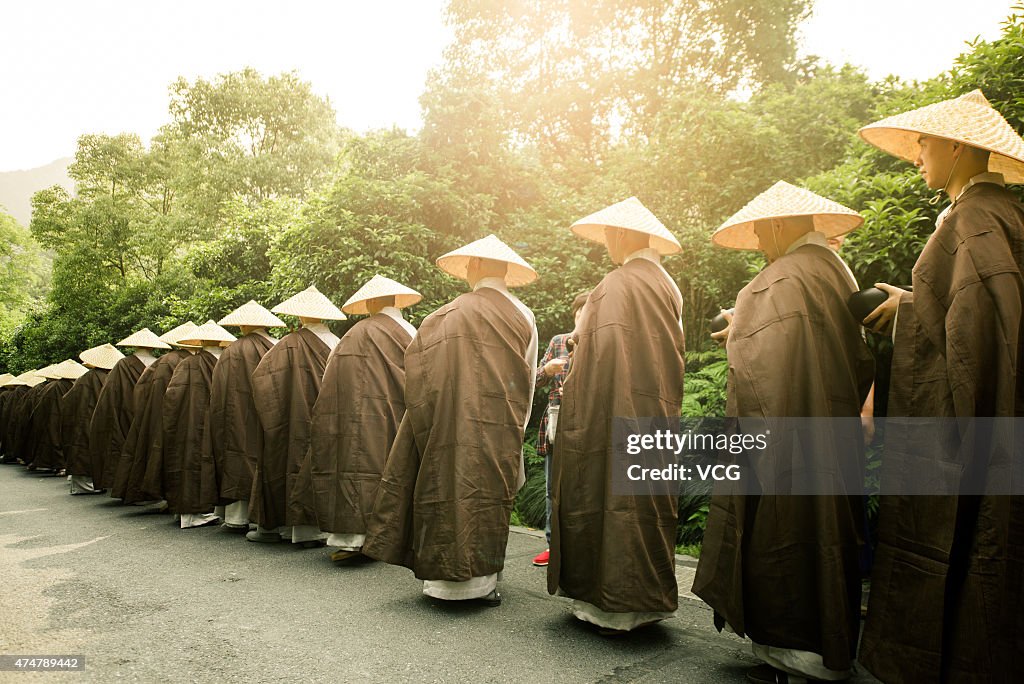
(78, 406)
(781, 555)
(11, 407)
(46, 420)
(184, 411)
(24, 438)
(445, 499)
(138, 479)
(948, 581)
(356, 415)
(7, 386)
(614, 554)
(285, 386)
(233, 438)
(114, 411)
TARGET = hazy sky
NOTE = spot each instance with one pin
(72, 67)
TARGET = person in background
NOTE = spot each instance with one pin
(552, 370)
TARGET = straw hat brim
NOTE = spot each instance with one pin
(310, 303)
(903, 143)
(208, 334)
(144, 338)
(968, 119)
(104, 356)
(629, 214)
(179, 332)
(379, 286)
(252, 314)
(456, 262)
(70, 370)
(784, 201)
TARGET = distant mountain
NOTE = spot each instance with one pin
(17, 187)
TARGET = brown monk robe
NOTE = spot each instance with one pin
(354, 423)
(233, 437)
(947, 593)
(184, 422)
(614, 553)
(76, 411)
(784, 569)
(9, 403)
(138, 474)
(24, 439)
(45, 424)
(112, 417)
(446, 494)
(285, 386)
(6, 392)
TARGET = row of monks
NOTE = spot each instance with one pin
(405, 445)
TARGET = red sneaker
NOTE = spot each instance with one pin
(541, 559)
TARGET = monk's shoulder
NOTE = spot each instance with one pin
(979, 239)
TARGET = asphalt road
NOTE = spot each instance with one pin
(143, 600)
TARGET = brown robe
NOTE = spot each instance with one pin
(184, 412)
(24, 440)
(9, 402)
(354, 422)
(616, 552)
(111, 420)
(784, 569)
(139, 471)
(947, 592)
(233, 438)
(45, 423)
(285, 386)
(76, 410)
(445, 498)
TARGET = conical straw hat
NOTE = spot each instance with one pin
(104, 356)
(379, 286)
(252, 314)
(456, 262)
(206, 333)
(969, 119)
(630, 214)
(48, 372)
(310, 303)
(30, 378)
(5, 378)
(145, 338)
(70, 369)
(174, 334)
(17, 381)
(781, 201)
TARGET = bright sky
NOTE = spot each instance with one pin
(76, 66)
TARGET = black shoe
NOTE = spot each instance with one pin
(766, 674)
(492, 600)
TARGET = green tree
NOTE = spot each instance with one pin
(23, 273)
(250, 136)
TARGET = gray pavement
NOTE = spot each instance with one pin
(143, 600)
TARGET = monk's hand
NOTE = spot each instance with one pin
(722, 336)
(880, 320)
(552, 367)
